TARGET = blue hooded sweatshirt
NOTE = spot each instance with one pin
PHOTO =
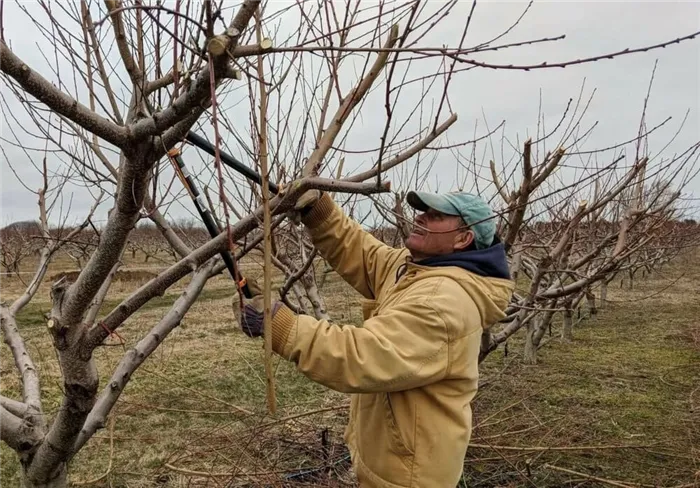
(490, 262)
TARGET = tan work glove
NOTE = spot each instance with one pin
(304, 205)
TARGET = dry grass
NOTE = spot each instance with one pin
(630, 379)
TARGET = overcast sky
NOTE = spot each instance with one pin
(591, 28)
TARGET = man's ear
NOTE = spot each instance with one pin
(463, 240)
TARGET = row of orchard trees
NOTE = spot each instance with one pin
(294, 91)
(20, 241)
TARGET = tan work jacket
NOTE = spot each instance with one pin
(413, 364)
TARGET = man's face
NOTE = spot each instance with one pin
(435, 233)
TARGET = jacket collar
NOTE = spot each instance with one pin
(490, 262)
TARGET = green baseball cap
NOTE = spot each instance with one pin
(475, 212)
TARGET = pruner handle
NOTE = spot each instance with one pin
(243, 285)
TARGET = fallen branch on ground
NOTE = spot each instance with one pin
(562, 448)
(621, 484)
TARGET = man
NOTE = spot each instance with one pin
(413, 364)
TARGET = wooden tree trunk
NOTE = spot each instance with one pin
(60, 480)
(530, 351)
(630, 284)
(567, 331)
(300, 295)
(603, 294)
(314, 296)
(590, 299)
(533, 336)
(517, 263)
(327, 269)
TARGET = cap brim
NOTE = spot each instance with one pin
(423, 201)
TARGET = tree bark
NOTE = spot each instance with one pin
(534, 333)
(314, 296)
(630, 284)
(284, 263)
(517, 263)
(590, 299)
(59, 479)
(137, 355)
(530, 350)
(298, 291)
(603, 294)
(567, 331)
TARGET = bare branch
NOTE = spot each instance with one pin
(278, 205)
(404, 156)
(31, 389)
(11, 429)
(94, 308)
(136, 356)
(44, 90)
(354, 97)
(189, 105)
(16, 408)
(33, 287)
(499, 186)
(120, 36)
(564, 64)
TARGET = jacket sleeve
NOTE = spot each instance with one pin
(357, 256)
(405, 347)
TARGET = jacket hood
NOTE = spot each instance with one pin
(488, 279)
(489, 263)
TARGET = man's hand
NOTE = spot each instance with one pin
(307, 200)
(251, 321)
(304, 205)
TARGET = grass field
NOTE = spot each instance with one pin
(621, 403)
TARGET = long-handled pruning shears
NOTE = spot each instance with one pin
(229, 160)
(175, 155)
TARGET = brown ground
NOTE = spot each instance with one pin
(620, 403)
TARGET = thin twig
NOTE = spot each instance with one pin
(151, 7)
(563, 448)
(621, 484)
(563, 64)
(267, 239)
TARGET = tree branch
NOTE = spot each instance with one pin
(96, 304)
(350, 102)
(282, 203)
(132, 68)
(107, 253)
(46, 254)
(190, 103)
(11, 429)
(543, 173)
(165, 228)
(409, 153)
(13, 406)
(518, 204)
(43, 90)
(136, 356)
(31, 390)
(296, 276)
(564, 64)
(499, 186)
(33, 287)
(90, 28)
